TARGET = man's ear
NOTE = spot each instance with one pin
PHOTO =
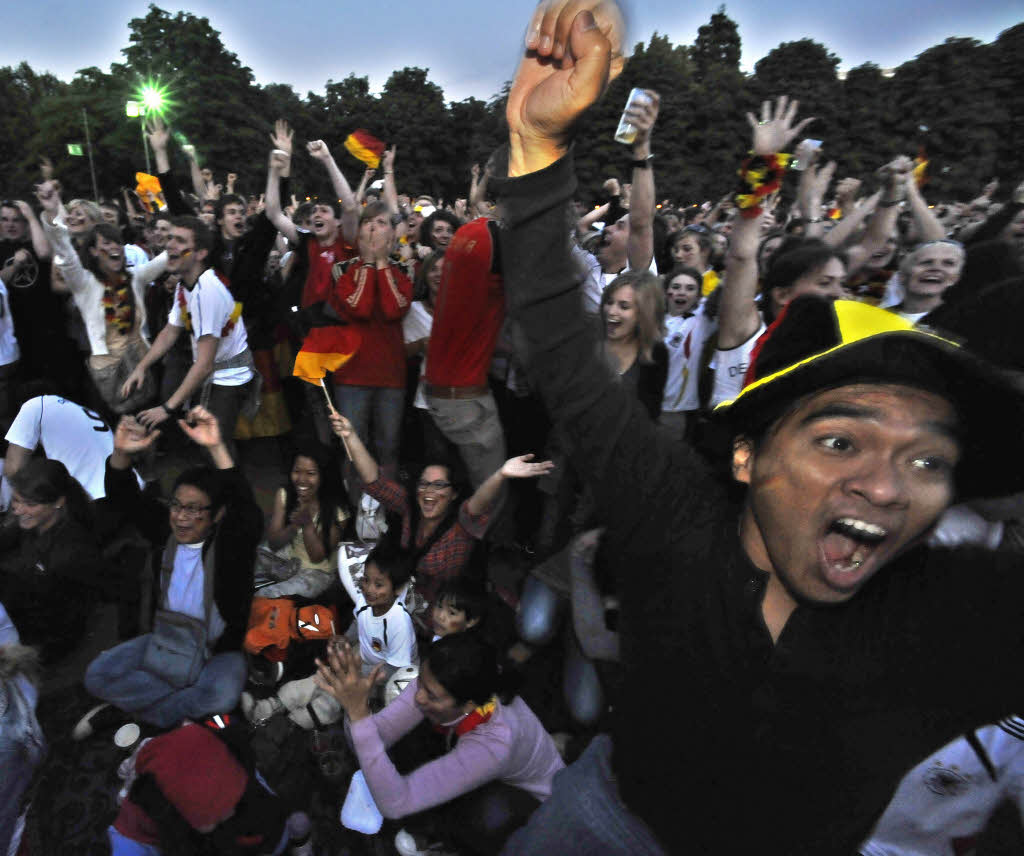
(742, 459)
(201, 255)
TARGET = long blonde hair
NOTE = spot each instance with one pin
(650, 308)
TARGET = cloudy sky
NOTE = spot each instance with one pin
(470, 52)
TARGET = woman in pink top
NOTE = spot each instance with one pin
(499, 762)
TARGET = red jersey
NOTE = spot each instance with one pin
(374, 301)
(469, 312)
(319, 283)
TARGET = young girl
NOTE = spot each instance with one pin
(384, 627)
(687, 328)
(632, 312)
(306, 525)
(460, 605)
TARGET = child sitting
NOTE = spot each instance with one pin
(384, 627)
(461, 605)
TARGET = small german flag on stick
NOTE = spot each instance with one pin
(362, 145)
(326, 349)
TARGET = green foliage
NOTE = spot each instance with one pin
(968, 96)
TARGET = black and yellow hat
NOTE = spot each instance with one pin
(818, 344)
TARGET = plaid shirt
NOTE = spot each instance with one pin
(448, 555)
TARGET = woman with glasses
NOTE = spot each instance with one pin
(206, 543)
(430, 522)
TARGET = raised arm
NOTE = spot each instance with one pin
(883, 222)
(40, 245)
(854, 214)
(279, 167)
(813, 186)
(640, 247)
(591, 217)
(929, 227)
(368, 173)
(349, 209)
(74, 275)
(521, 467)
(390, 191)
(738, 318)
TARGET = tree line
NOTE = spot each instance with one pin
(961, 103)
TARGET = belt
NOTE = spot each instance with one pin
(456, 391)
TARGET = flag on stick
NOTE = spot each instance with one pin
(362, 145)
(326, 349)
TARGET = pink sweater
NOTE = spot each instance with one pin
(512, 747)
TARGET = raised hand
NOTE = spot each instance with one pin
(278, 161)
(341, 676)
(775, 130)
(642, 116)
(319, 150)
(201, 427)
(573, 51)
(157, 133)
(474, 170)
(45, 168)
(388, 159)
(282, 136)
(523, 467)
(131, 436)
(340, 425)
(48, 194)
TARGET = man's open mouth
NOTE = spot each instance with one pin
(847, 546)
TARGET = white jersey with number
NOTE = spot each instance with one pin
(66, 432)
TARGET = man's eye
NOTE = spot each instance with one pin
(836, 444)
(931, 464)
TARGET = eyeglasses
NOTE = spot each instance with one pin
(191, 511)
(434, 485)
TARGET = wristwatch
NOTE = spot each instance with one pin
(642, 163)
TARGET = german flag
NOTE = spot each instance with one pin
(324, 350)
(363, 146)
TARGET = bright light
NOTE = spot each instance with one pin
(132, 109)
(153, 99)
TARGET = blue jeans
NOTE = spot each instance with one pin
(384, 404)
(584, 814)
(117, 676)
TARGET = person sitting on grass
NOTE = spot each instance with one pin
(208, 541)
(500, 761)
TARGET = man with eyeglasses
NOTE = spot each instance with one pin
(207, 541)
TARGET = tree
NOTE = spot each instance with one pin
(412, 115)
(866, 141)
(947, 104)
(21, 89)
(806, 70)
(717, 45)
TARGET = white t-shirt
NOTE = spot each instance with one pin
(69, 433)
(685, 338)
(944, 802)
(417, 325)
(9, 350)
(388, 638)
(210, 305)
(731, 367)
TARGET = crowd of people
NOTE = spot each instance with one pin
(742, 470)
